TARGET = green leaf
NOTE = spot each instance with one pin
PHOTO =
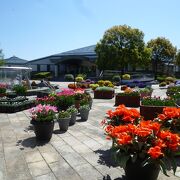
(163, 167)
(174, 165)
(123, 160)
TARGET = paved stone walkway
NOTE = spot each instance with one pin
(80, 153)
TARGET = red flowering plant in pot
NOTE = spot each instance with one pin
(142, 148)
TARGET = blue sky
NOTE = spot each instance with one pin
(33, 29)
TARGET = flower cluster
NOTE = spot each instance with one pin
(3, 87)
(66, 92)
(46, 100)
(122, 115)
(43, 112)
(135, 138)
(170, 118)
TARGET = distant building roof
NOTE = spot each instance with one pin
(89, 50)
(14, 60)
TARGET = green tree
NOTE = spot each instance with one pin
(162, 52)
(177, 59)
(122, 46)
(1, 58)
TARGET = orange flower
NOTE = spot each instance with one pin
(155, 152)
(143, 132)
(124, 139)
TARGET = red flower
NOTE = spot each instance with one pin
(155, 152)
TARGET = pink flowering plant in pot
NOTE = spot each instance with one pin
(43, 121)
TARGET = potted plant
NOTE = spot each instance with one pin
(20, 90)
(2, 89)
(151, 106)
(73, 111)
(145, 92)
(43, 121)
(64, 119)
(103, 93)
(84, 112)
(141, 147)
(129, 98)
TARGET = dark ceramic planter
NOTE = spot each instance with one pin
(84, 113)
(73, 119)
(43, 130)
(129, 101)
(103, 94)
(64, 124)
(150, 112)
(135, 171)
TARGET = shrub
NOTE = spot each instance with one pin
(162, 84)
(82, 75)
(43, 75)
(161, 78)
(20, 89)
(93, 86)
(126, 76)
(64, 114)
(170, 79)
(116, 78)
(101, 83)
(2, 88)
(104, 88)
(69, 77)
(79, 79)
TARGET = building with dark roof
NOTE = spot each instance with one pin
(76, 61)
(15, 61)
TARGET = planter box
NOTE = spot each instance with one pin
(103, 94)
(150, 112)
(129, 101)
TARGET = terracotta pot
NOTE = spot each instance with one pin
(129, 101)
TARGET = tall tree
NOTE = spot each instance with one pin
(1, 58)
(122, 46)
(177, 59)
(162, 52)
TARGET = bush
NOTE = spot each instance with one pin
(161, 79)
(19, 89)
(82, 75)
(104, 88)
(43, 75)
(116, 78)
(170, 79)
(93, 86)
(162, 84)
(126, 76)
(79, 79)
(69, 77)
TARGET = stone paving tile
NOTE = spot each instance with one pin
(49, 176)
(71, 140)
(65, 149)
(38, 168)
(63, 171)
(86, 171)
(74, 159)
(50, 156)
(82, 149)
(33, 156)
